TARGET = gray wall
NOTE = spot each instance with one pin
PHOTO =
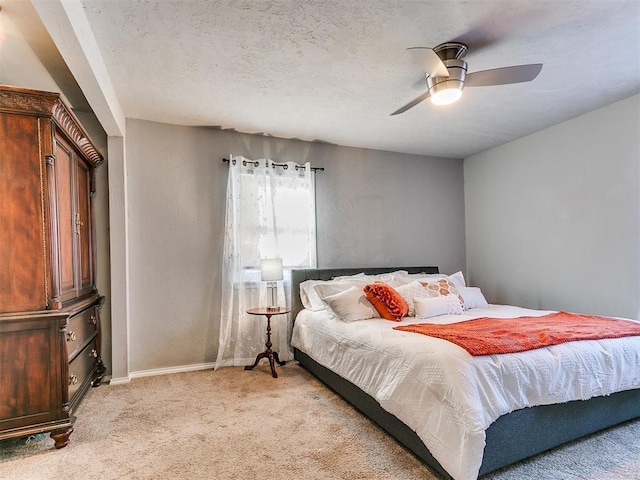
(374, 209)
(553, 219)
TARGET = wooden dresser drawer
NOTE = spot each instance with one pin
(81, 369)
(81, 329)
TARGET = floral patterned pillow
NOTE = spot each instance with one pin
(442, 288)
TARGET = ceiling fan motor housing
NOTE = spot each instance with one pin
(457, 73)
(451, 51)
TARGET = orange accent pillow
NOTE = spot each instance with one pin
(388, 303)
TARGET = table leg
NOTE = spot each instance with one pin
(258, 358)
(273, 367)
(275, 355)
(268, 353)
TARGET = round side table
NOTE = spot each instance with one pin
(268, 353)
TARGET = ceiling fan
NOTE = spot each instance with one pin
(447, 74)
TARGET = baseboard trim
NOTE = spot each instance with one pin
(180, 369)
(119, 380)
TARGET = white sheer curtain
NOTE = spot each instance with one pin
(270, 214)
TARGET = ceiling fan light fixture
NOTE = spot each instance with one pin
(448, 90)
(446, 96)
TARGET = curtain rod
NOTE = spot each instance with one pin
(274, 164)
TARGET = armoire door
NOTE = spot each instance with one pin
(67, 245)
(30, 372)
(23, 275)
(84, 226)
(75, 222)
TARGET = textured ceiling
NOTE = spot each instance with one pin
(334, 70)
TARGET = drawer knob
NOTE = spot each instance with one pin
(71, 336)
(94, 353)
(73, 379)
(93, 320)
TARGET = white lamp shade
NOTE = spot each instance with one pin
(271, 269)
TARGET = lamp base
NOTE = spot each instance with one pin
(273, 286)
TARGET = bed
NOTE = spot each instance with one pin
(512, 436)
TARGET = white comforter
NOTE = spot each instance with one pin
(450, 397)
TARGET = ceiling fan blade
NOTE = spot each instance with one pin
(419, 84)
(429, 61)
(503, 76)
(412, 103)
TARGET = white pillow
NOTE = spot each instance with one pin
(309, 297)
(436, 306)
(351, 305)
(348, 277)
(473, 298)
(324, 289)
(458, 280)
(404, 278)
(410, 291)
(388, 278)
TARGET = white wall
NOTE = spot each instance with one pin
(553, 219)
(21, 67)
(374, 209)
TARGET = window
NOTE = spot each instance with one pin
(270, 213)
(276, 217)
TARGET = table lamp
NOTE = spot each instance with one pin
(271, 272)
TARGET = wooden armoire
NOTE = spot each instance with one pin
(49, 303)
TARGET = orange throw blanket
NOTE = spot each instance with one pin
(488, 336)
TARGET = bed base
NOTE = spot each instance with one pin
(371, 409)
(512, 437)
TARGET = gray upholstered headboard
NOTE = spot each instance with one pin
(299, 276)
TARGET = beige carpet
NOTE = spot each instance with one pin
(234, 424)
